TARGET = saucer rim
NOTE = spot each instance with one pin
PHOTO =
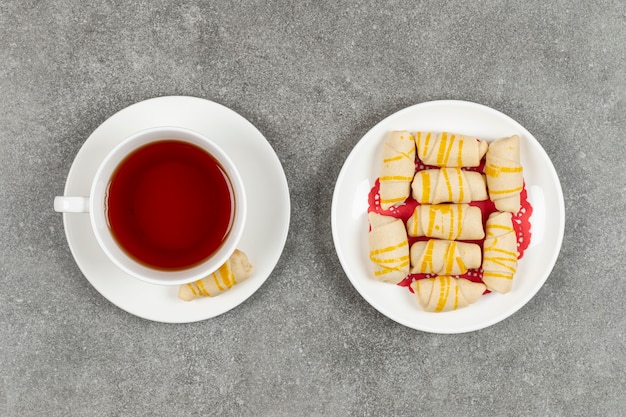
(220, 118)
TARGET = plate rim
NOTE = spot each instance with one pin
(363, 141)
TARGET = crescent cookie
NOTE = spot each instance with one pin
(446, 221)
(504, 173)
(388, 248)
(397, 168)
(447, 149)
(448, 185)
(444, 257)
(235, 270)
(500, 253)
(445, 293)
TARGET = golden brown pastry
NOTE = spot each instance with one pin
(235, 270)
(445, 293)
(444, 257)
(504, 173)
(499, 253)
(446, 221)
(397, 168)
(389, 248)
(447, 149)
(448, 185)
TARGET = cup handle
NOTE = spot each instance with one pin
(71, 204)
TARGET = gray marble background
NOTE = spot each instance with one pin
(313, 76)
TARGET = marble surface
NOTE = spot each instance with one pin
(313, 77)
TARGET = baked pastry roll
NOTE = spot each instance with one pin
(445, 293)
(499, 253)
(504, 173)
(447, 149)
(397, 168)
(389, 248)
(444, 257)
(448, 185)
(446, 221)
(235, 270)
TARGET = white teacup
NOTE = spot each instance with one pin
(160, 182)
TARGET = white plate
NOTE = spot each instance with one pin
(350, 226)
(267, 192)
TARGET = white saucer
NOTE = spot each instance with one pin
(267, 192)
(350, 226)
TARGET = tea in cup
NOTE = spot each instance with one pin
(167, 205)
